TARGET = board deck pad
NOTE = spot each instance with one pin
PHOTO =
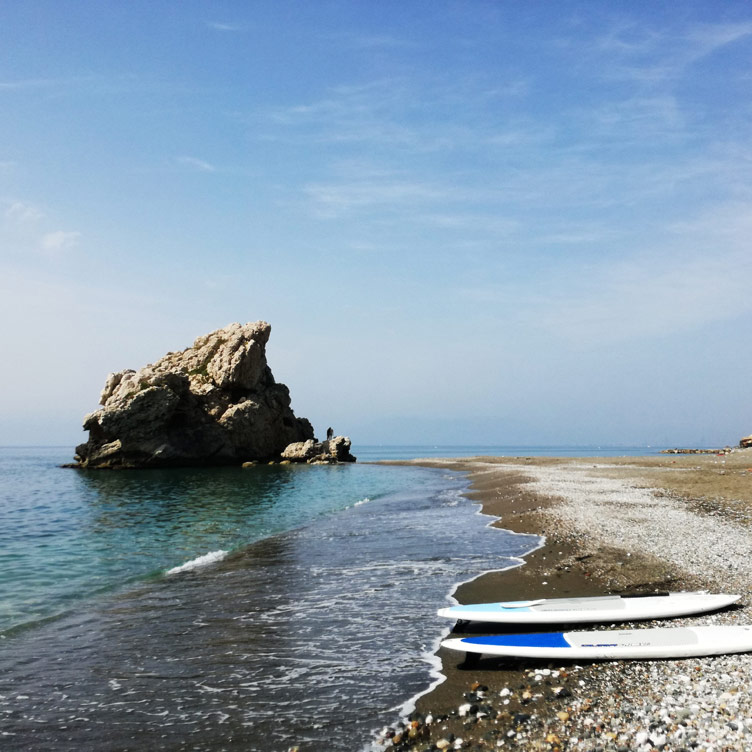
(659, 642)
(606, 608)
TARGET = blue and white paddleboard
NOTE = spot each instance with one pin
(607, 608)
(666, 642)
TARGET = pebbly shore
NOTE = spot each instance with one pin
(611, 525)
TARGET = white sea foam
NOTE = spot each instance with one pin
(361, 502)
(198, 562)
(453, 497)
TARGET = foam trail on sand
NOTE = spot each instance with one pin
(198, 562)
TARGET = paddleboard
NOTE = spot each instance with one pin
(607, 608)
(665, 642)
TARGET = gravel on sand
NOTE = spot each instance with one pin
(644, 524)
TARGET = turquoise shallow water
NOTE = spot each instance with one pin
(67, 534)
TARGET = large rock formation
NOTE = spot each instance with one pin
(214, 403)
(746, 442)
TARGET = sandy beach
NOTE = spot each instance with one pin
(633, 524)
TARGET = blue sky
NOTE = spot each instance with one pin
(467, 222)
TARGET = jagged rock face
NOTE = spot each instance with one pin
(214, 403)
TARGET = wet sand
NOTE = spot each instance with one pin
(533, 705)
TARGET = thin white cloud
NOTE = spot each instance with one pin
(24, 213)
(369, 113)
(60, 240)
(661, 283)
(711, 37)
(393, 112)
(380, 41)
(471, 223)
(644, 122)
(331, 200)
(25, 233)
(91, 83)
(639, 116)
(515, 88)
(575, 236)
(628, 38)
(220, 26)
(196, 164)
(28, 83)
(367, 41)
(699, 273)
(637, 300)
(653, 56)
(518, 135)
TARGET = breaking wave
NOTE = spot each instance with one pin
(198, 562)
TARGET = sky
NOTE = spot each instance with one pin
(513, 223)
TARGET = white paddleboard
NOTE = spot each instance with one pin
(607, 608)
(666, 642)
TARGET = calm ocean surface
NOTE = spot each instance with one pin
(223, 609)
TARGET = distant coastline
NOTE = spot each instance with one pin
(378, 452)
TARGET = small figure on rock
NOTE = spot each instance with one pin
(329, 434)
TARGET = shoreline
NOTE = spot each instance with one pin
(531, 705)
(437, 672)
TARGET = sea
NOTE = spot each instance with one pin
(259, 609)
